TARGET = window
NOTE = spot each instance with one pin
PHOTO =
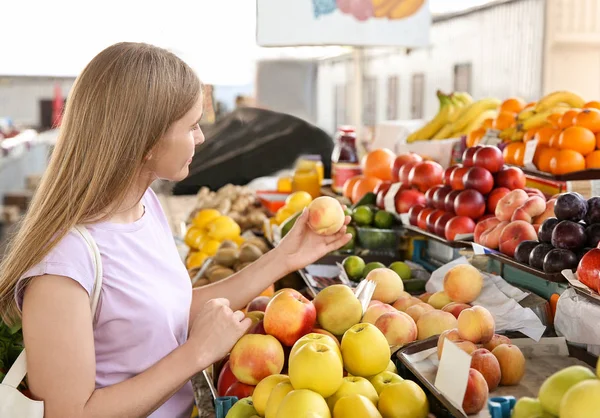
(370, 101)
(462, 77)
(392, 99)
(339, 101)
(418, 95)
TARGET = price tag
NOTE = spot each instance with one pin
(491, 137)
(389, 202)
(453, 373)
(530, 147)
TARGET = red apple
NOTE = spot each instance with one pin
(255, 357)
(588, 270)
(469, 203)
(493, 198)
(226, 379)
(430, 193)
(511, 178)
(457, 226)
(447, 174)
(490, 158)
(413, 213)
(456, 178)
(405, 199)
(384, 185)
(440, 224)
(449, 200)
(513, 234)
(432, 219)
(403, 159)
(404, 172)
(439, 197)
(258, 328)
(422, 218)
(259, 303)
(240, 390)
(467, 157)
(480, 179)
(381, 191)
(289, 316)
(426, 174)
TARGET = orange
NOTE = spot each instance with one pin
(598, 140)
(578, 139)
(545, 157)
(519, 154)
(364, 186)
(568, 118)
(567, 161)
(544, 134)
(487, 123)
(349, 186)
(504, 120)
(475, 136)
(593, 160)
(554, 119)
(530, 105)
(589, 118)
(513, 104)
(592, 105)
(378, 163)
(539, 149)
(553, 142)
(510, 152)
(530, 134)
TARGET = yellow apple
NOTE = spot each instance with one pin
(303, 403)
(403, 400)
(242, 409)
(277, 394)
(392, 367)
(354, 406)
(354, 385)
(316, 338)
(263, 390)
(582, 400)
(316, 367)
(383, 379)
(365, 350)
(338, 308)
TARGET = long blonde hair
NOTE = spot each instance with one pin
(118, 109)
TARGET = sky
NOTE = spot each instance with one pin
(216, 37)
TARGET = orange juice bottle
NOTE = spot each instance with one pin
(307, 162)
(284, 184)
(307, 180)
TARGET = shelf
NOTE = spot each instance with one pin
(591, 174)
(452, 244)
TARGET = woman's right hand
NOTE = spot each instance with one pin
(215, 331)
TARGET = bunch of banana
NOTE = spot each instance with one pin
(512, 134)
(447, 107)
(557, 98)
(536, 118)
(470, 118)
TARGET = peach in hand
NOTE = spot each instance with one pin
(325, 215)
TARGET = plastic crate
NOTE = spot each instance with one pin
(378, 239)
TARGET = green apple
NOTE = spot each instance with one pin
(556, 386)
(527, 408)
(381, 380)
(242, 409)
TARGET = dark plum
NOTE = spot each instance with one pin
(568, 235)
(593, 213)
(581, 252)
(570, 207)
(523, 250)
(559, 259)
(536, 258)
(546, 228)
(593, 235)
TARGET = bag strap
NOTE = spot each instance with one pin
(17, 372)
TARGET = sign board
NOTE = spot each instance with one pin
(343, 22)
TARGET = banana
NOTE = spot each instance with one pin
(464, 100)
(473, 111)
(517, 136)
(526, 113)
(431, 128)
(405, 8)
(463, 97)
(540, 118)
(476, 122)
(507, 133)
(557, 97)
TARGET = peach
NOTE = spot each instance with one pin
(325, 215)
(399, 328)
(496, 341)
(513, 234)
(389, 285)
(512, 364)
(255, 357)
(534, 192)
(477, 393)
(374, 302)
(434, 323)
(416, 311)
(404, 294)
(509, 203)
(452, 335)
(487, 364)
(439, 299)
(289, 316)
(548, 213)
(375, 311)
(533, 206)
(425, 297)
(483, 226)
(463, 283)
(259, 303)
(403, 304)
(491, 237)
(455, 308)
(476, 324)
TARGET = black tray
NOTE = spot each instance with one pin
(551, 277)
(453, 244)
(590, 174)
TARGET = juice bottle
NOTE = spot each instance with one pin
(344, 159)
(307, 180)
(307, 162)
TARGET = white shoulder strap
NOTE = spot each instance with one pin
(17, 372)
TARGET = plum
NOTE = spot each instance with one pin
(536, 257)
(568, 235)
(570, 207)
(523, 250)
(593, 213)
(545, 232)
(593, 235)
(559, 259)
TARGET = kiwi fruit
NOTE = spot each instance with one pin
(260, 243)
(227, 244)
(249, 253)
(226, 257)
(219, 274)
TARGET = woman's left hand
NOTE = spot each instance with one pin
(303, 246)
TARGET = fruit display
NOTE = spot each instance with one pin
(321, 358)
(238, 202)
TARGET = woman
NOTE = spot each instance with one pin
(131, 118)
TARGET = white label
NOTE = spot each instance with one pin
(491, 137)
(530, 147)
(463, 237)
(453, 373)
(595, 187)
(389, 202)
(478, 249)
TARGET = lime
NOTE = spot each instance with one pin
(354, 266)
(363, 216)
(402, 269)
(347, 211)
(350, 245)
(383, 219)
(372, 266)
